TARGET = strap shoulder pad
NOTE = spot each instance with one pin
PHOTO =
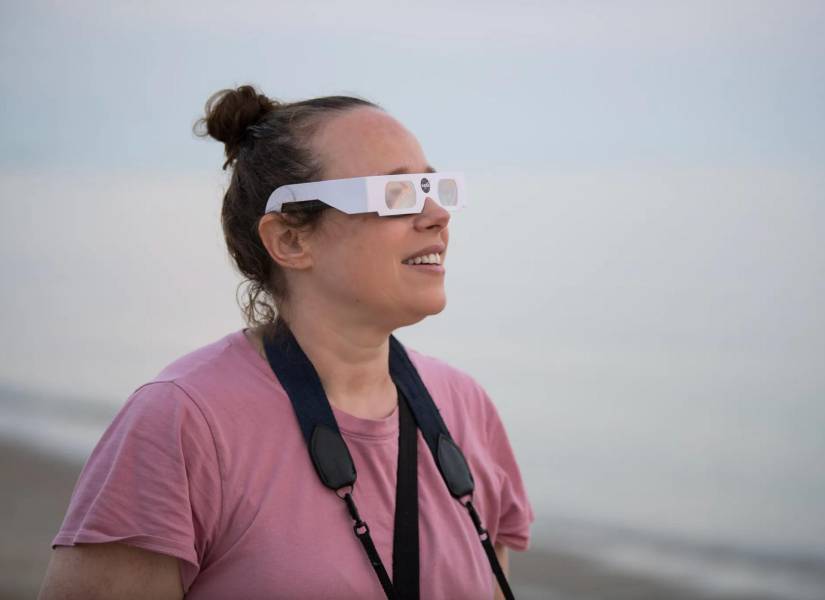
(454, 468)
(331, 458)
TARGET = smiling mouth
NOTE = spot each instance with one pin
(424, 259)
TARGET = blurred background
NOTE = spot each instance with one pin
(638, 282)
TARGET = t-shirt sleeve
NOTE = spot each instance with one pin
(515, 511)
(153, 481)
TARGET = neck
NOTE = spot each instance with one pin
(352, 363)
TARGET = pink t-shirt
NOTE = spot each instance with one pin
(207, 463)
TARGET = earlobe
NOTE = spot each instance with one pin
(286, 245)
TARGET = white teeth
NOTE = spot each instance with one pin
(427, 259)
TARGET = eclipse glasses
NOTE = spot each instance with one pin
(385, 194)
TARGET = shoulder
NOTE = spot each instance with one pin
(212, 393)
(462, 400)
(474, 423)
(212, 375)
(224, 394)
(172, 390)
(439, 372)
(205, 362)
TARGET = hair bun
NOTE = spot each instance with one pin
(228, 115)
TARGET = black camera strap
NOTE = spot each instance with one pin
(405, 556)
(335, 468)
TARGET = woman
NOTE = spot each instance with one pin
(203, 484)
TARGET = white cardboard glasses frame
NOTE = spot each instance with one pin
(384, 194)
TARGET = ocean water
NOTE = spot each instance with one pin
(717, 569)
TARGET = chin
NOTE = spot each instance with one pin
(433, 304)
(423, 310)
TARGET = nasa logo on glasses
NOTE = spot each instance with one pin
(425, 185)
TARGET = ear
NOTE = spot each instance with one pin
(286, 245)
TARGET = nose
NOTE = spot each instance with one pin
(432, 216)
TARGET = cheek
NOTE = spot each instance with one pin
(379, 270)
(362, 258)
(367, 264)
(378, 258)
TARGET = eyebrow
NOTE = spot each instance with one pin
(407, 171)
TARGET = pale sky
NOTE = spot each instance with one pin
(117, 85)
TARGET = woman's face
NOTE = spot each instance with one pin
(358, 259)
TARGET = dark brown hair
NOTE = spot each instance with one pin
(267, 145)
